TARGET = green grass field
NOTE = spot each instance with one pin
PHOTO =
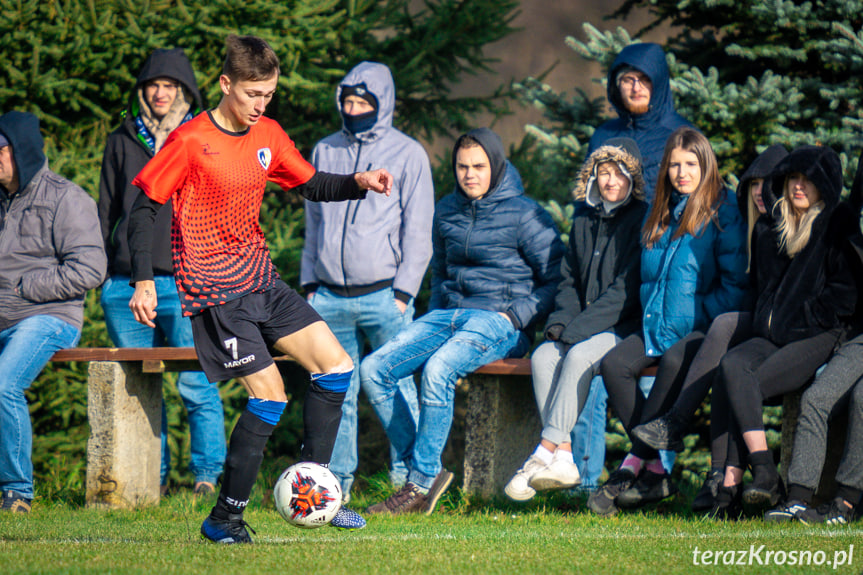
(552, 534)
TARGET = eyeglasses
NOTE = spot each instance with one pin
(630, 81)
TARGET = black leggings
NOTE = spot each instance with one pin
(758, 370)
(621, 369)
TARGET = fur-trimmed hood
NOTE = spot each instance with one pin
(622, 151)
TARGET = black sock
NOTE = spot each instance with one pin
(800, 493)
(245, 453)
(759, 458)
(322, 413)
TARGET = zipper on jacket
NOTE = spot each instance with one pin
(347, 217)
(470, 228)
(354, 218)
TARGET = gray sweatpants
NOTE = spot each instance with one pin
(838, 387)
(561, 381)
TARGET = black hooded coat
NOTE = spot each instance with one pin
(815, 291)
(125, 155)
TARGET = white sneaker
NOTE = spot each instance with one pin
(561, 473)
(518, 487)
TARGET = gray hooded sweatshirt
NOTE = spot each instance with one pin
(359, 246)
(50, 246)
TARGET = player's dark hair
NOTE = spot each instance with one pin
(248, 58)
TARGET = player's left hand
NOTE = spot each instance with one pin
(380, 181)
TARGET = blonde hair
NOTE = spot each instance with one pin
(794, 227)
(752, 215)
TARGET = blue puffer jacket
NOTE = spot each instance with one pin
(499, 253)
(687, 281)
(651, 129)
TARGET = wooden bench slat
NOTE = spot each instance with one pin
(125, 354)
(153, 355)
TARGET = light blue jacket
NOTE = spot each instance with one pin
(687, 281)
(379, 238)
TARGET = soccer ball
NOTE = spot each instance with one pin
(308, 495)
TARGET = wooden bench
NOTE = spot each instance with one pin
(124, 395)
(502, 424)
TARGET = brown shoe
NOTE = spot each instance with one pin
(441, 482)
(204, 488)
(14, 503)
(408, 499)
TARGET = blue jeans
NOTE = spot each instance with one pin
(201, 398)
(588, 436)
(373, 317)
(25, 348)
(451, 344)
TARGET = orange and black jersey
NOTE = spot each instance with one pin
(217, 179)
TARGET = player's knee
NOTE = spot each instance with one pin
(337, 380)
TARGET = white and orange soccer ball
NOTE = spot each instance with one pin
(307, 495)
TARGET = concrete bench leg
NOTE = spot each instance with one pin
(502, 429)
(124, 449)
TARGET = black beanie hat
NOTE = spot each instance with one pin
(361, 91)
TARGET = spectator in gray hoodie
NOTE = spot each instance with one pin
(50, 254)
(364, 260)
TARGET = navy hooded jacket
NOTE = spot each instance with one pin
(651, 129)
(499, 253)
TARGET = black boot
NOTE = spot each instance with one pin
(706, 496)
(766, 489)
(728, 505)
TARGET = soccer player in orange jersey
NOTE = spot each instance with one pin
(215, 168)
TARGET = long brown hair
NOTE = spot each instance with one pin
(703, 203)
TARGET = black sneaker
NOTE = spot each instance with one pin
(728, 505)
(14, 503)
(833, 513)
(706, 496)
(786, 511)
(228, 531)
(440, 485)
(408, 499)
(664, 432)
(602, 501)
(650, 487)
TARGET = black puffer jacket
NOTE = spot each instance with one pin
(601, 269)
(815, 291)
(125, 155)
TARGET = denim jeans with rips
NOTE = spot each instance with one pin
(447, 345)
